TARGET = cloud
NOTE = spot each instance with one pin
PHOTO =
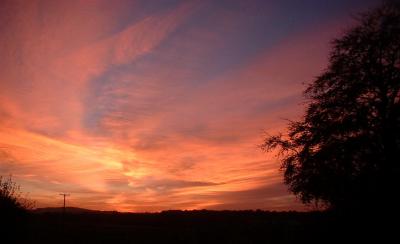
(135, 106)
(275, 196)
(53, 68)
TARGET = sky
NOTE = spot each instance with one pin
(153, 105)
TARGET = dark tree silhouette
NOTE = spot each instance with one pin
(13, 211)
(11, 200)
(344, 152)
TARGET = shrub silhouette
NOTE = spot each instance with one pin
(14, 213)
(11, 200)
(344, 152)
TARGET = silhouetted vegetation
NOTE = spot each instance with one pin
(11, 200)
(344, 152)
(13, 211)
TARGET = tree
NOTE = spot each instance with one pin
(11, 201)
(344, 152)
(13, 211)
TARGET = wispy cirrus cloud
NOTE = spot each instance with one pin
(136, 106)
(41, 70)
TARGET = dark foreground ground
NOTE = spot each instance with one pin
(192, 227)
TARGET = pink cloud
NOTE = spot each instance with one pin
(54, 67)
(163, 141)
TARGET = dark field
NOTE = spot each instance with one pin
(192, 227)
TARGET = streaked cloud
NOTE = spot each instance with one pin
(138, 106)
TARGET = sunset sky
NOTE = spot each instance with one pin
(153, 105)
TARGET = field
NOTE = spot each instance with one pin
(186, 227)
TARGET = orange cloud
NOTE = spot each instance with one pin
(118, 111)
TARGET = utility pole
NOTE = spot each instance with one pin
(64, 195)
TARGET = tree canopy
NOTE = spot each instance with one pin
(344, 151)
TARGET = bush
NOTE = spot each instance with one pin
(14, 214)
(11, 200)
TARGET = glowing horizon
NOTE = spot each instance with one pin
(139, 106)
